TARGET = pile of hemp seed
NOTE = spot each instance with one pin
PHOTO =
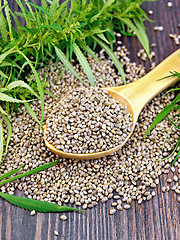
(130, 174)
(88, 120)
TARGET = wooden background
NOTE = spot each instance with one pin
(156, 219)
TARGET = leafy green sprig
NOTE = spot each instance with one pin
(31, 204)
(174, 106)
(53, 25)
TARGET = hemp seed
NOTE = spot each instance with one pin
(63, 217)
(56, 233)
(112, 211)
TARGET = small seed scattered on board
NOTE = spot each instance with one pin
(56, 233)
(169, 4)
(127, 206)
(63, 217)
(112, 211)
(150, 12)
(33, 212)
(175, 178)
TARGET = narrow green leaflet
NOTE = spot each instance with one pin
(8, 18)
(140, 33)
(87, 49)
(3, 29)
(173, 89)
(22, 84)
(176, 158)
(106, 5)
(10, 64)
(41, 9)
(173, 74)
(101, 36)
(49, 93)
(38, 206)
(3, 75)
(53, 7)
(24, 14)
(5, 97)
(44, 4)
(1, 141)
(9, 131)
(18, 24)
(3, 89)
(160, 117)
(84, 63)
(58, 11)
(4, 55)
(53, 26)
(8, 174)
(2, 111)
(173, 123)
(113, 57)
(174, 150)
(22, 70)
(31, 111)
(39, 84)
(163, 114)
(35, 170)
(144, 37)
(66, 63)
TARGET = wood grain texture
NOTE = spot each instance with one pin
(153, 220)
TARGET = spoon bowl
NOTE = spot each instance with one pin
(134, 96)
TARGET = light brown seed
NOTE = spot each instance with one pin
(56, 233)
(112, 211)
(63, 217)
(127, 206)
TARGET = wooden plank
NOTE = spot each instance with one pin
(155, 219)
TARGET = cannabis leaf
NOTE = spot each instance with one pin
(36, 205)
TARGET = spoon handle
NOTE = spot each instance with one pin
(140, 92)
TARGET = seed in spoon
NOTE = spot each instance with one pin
(88, 120)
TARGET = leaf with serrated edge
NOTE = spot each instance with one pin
(67, 64)
(163, 114)
(84, 63)
(41, 9)
(139, 33)
(2, 111)
(31, 111)
(4, 55)
(36, 205)
(1, 141)
(176, 158)
(49, 93)
(9, 131)
(8, 174)
(88, 50)
(8, 18)
(113, 57)
(34, 170)
(3, 75)
(3, 28)
(39, 84)
(160, 117)
(175, 125)
(22, 84)
(5, 97)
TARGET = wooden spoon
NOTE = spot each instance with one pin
(135, 96)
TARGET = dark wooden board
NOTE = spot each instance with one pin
(155, 219)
